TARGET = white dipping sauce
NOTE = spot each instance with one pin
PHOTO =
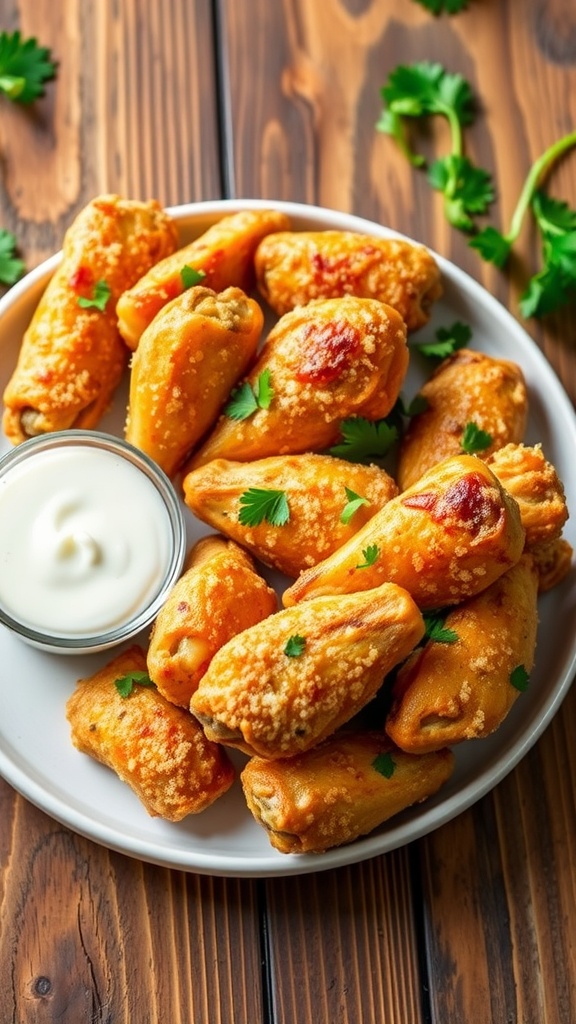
(84, 541)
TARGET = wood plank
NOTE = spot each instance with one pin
(87, 934)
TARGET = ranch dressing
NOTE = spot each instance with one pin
(84, 541)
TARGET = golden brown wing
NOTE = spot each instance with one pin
(535, 485)
(219, 594)
(295, 267)
(285, 684)
(445, 539)
(468, 387)
(449, 692)
(72, 357)
(328, 361)
(187, 361)
(341, 790)
(224, 254)
(159, 750)
(316, 489)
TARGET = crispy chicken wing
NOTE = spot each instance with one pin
(295, 267)
(468, 387)
(159, 750)
(218, 595)
(328, 361)
(339, 791)
(187, 361)
(449, 692)
(224, 254)
(445, 539)
(535, 485)
(284, 685)
(316, 488)
(72, 356)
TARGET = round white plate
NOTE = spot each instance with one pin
(36, 755)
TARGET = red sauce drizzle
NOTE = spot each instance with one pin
(328, 350)
(81, 279)
(468, 502)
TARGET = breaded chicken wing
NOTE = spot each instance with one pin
(295, 267)
(445, 539)
(340, 790)
(287, 683)
(449, 692)
(328, 361)
(159, 750)
(187, 361)
(223, 254)
(218, 595)
(468, 387)
(72, 356)
(535, 485)
(319, 490)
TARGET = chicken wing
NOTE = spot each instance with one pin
(535, 485)
(284, 685)
(325, 362)
(453, 691)
(445, 539)
(468, 387)
(159, 750)
(295, 267)
(328, 500)
(224, 255)
(72, 356)
(187, 361)
(341, 790)
(219, 594)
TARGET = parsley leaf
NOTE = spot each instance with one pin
(24, 67)
(448, 341)
(246, 400)
(190, 276)
(436, 628)
(99, 299)
(384, 764)
(295, 646)
(261, 504)
(125, 684)
(355, 501)
(370, 556)
(520, 678)
(439, 6)
(467, 189)
(474, 439)
(11, 268)
(363, 440)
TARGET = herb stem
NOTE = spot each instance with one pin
(537, 173)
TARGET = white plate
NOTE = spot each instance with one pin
(36, 755)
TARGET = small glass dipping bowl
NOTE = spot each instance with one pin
(92, 540)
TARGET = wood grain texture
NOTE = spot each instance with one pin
(87, 935)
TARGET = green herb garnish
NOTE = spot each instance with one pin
(11, 268)
(520, 678)
(246, 400)
(364, 440)
(384, 764)
(190, 276)
(474, 439)
(448, 341)
(436, 629)
(370, 555)
(260, 504)
(440, 6)
(295, 646)
(99, 298)
(354, 502)
(125, 684)
(24, 67)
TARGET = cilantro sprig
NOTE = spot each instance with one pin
(125, 684)
(11, 266)
(474, 439)
(370, 556)
(190, 276)
(448, 340)
(427, 89)
(24, 67)
(99, 298)
(261, 504)
(519, 678)
(364, 440)
(436, 628)
(353, 503)
(295, 646)
(246, 399)
(440, 6)
(384, 764)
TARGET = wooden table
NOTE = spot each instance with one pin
(188, 100)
